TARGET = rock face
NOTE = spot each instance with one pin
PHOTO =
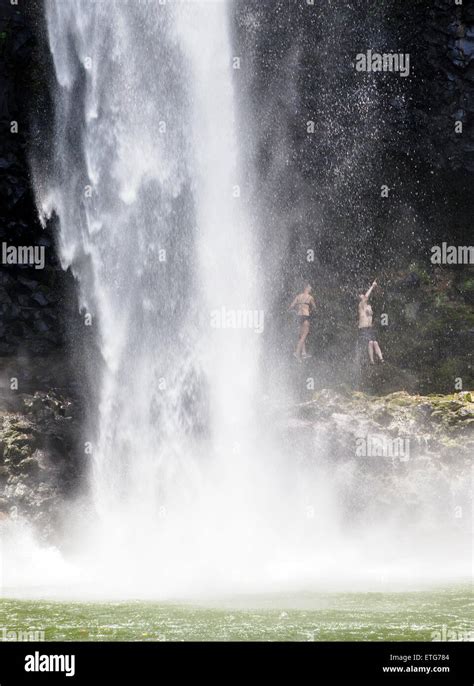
(327, 139)
(449, 39)
(399, 455)
(432, 423)
(39, 423)
(34, 303)
(39, 464)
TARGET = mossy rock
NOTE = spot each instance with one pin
(17, 445)
(451, 443)
(467, 396)
(465, 412)
(448, 417)
(449, 405)
(29, 465)
(399, 399)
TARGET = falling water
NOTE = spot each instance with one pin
(189, 490)
(148, 195)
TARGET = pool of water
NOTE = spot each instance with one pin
(408, 616)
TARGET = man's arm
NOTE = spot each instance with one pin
(369, 292)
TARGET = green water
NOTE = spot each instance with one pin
(409, 616)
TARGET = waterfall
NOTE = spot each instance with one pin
(148, 195)
(191, 488)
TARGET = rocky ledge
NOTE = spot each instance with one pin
(39, 465)
(381, 452)
(394, 458)
(435, 425)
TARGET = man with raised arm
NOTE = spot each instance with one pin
(367, 335)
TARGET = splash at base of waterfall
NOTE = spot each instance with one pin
(217, 568)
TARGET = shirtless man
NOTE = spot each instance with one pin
(366, 331)
(304, 304)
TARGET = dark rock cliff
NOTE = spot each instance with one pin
(39, 400)
(320, 191)
(32, 300)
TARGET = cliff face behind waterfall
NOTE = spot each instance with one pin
(318, 191)
(41, 460)
(326, 141)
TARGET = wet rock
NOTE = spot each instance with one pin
(40, 298)
(29, 466)
(430, 422)
(40, 466)
(29, 283)
(4, 296)
(411, 280)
